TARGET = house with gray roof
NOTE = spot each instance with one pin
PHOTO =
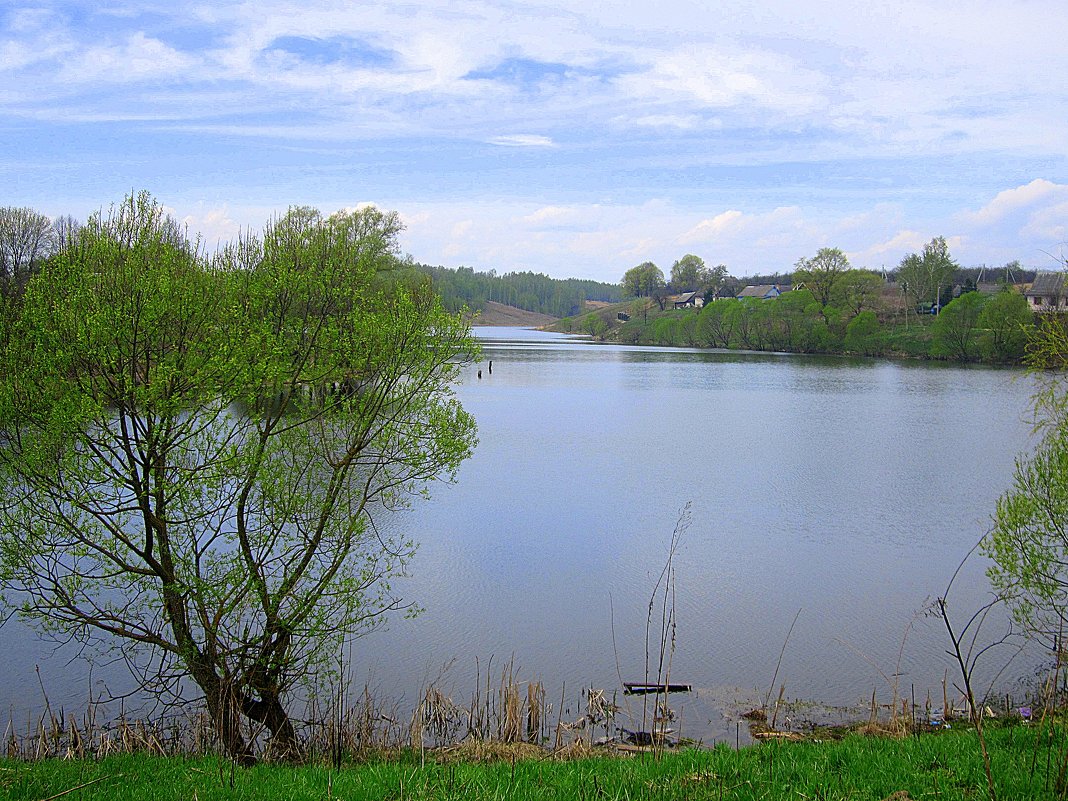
(687, 299)
(1049, 292)
(762, 291)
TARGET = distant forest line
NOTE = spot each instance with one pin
(463, 287)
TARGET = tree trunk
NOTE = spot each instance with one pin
(225, 714)
(270, 712)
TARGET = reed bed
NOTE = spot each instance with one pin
(504, 715)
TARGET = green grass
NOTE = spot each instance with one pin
(944, 766)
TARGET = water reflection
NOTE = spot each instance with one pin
(847, 488)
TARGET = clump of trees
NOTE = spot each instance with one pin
(688, 274)
(925, 277)
(821, 273)
(195, 449)
(643, 280)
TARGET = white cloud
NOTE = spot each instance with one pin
(716, 226)
(1033, 215)
(890, 252)
(709, 107)
(1049, 224)
(1014, 200)
(717, 79)
(139, 57)
(548, 214)
(214, 225)
(522, 140)
(602, 240)
(684, 122)
(360, 205)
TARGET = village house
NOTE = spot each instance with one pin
(762, 291)
(687, 299)
(1047, 293)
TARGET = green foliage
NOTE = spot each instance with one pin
(925, 276)
(642, 281)
(1005, 320)
(690, 274)
(858, 290)
(714, 328)
(193, 450)
(594, 325)
(687, 273)
(913, 341)
(1028, 545)
(821, 273)
(864, 334)
(795, 322)
(665, 331)
(953, 333)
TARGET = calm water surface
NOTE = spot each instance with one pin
(846, 490)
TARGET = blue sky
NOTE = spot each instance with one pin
(570, 139)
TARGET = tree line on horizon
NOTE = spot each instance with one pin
(465, 288)
(828, 306)
(930, 276)
(28, 238)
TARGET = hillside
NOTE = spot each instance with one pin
(498, 314)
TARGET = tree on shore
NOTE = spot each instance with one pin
(924, 275)
(863, 334)
(953, 333)
(195, 453)
(642, 281)
(858, 291)
(821, 273)
(1006, 321)
(687, 273)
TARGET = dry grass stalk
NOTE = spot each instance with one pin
(511, 728)
(535, 707)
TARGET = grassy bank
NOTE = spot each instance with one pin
(1025, 761)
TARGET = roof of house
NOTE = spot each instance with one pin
(758, 290)
(685, 297)
(1048, 284)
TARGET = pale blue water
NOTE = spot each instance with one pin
(847, 489)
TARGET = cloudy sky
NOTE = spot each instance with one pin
(574, 139)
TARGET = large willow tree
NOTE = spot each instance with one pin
(194, 450)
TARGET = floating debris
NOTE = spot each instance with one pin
(644, 688)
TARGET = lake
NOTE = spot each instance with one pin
(841, 492)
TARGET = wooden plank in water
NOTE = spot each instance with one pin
(645, 688)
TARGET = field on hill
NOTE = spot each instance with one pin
(499, 314)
